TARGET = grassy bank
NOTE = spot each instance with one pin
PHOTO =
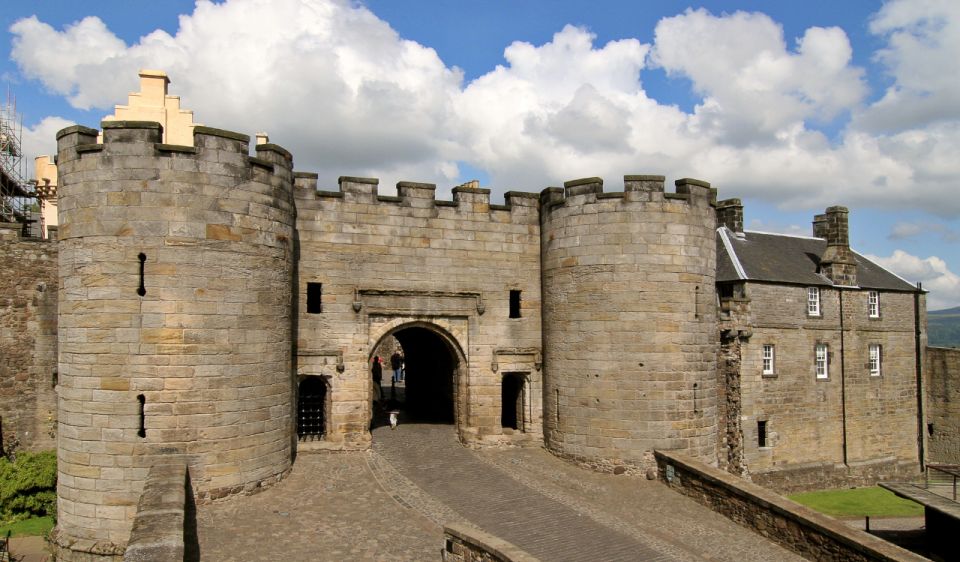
(858, 502)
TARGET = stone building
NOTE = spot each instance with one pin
(821, 357)
(220, 309)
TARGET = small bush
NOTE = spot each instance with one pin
(28, 486)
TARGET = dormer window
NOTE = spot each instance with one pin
(873, 304)
(813, 301)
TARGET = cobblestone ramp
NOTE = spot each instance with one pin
(488, 498)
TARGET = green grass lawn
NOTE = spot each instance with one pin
(28, 527)
(858, 502)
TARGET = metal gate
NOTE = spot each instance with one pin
(311, 408)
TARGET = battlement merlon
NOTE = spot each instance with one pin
(637, 188)
(213, 147)
(413, 194)
(70, 139)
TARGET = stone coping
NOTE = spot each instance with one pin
(924, 497)
(131, 125)
(158, 531)
(271, 147)
(691, 181)
(199, 130)
(498, 548)
(77, 129)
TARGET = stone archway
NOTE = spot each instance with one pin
(434, 385)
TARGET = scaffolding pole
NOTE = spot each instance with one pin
(17, 195)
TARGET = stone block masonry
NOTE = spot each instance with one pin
(385, 264)
(28, 341)
(174, 323)
(943, 405)
(629, 321)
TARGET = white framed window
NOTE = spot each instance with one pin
(873, 304)
(876, 354)
(769, 357)
(813, 301)
(822, 360)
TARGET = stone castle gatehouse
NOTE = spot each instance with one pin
(217, 307)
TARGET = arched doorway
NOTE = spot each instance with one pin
(311, 409)
(432, 361)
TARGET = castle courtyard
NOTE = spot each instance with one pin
(390, 504)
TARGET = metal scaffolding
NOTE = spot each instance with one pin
(17, 195)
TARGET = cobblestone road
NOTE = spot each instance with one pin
(391, 503)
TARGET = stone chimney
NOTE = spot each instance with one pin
(837, 261)
(263, 138)
(820, 226)
(730, 215)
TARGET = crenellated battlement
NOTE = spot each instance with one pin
(212, 148)
(636, 188)
(417, 195)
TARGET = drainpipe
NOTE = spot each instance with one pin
(919, 372)
(843, 384)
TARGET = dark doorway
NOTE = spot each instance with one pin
(430, 371)
(511, 401)
(311, 409)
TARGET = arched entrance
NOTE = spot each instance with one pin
(433, 363)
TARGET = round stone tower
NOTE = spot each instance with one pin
(629, 321)
(176, 275)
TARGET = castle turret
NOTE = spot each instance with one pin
(629, 321)
(176, 267)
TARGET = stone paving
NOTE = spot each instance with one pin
(390, 504)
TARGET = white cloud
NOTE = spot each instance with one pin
(932, 272)
(753, 86)
(327, 79)
(61, 59)
(907, 230)
(41, 140)
(347, 95)
(922, 41)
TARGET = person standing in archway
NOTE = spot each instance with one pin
(377, 379)
(396, 361)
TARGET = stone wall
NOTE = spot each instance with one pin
(176, 269)
(629, 321)
(848, 428)
(942, 381)
(28, 344)
(466, 544)
(164, 529)
(793, 526)
(387, 263)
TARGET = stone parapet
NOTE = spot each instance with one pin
(466, 544)
(410, 194)
(793, 526)
(158, 528)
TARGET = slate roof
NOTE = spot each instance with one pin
(780, 258)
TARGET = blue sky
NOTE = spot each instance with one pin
(790, 106)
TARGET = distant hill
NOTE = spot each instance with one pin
(943, 327)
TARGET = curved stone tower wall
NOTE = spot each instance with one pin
(629, 321)
(193, 364)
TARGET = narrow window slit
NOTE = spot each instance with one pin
(142, 432)
(314, 298)
(142, 290)
(514, 303)
(762, 433)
